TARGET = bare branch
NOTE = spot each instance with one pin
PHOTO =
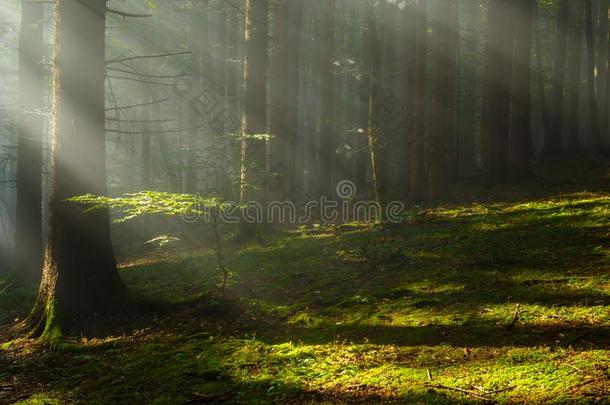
(137, 121)
(163, 55)
(167, 131)
(133, 79)
(137, 105)
(135, 72)
(126, 14)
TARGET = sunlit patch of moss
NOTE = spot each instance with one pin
(46, 398)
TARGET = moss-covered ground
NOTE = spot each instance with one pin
(501, 301)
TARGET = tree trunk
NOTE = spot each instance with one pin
(408, 19)
(552, 141)
(79, 273)
(440, 153)
(593, 111)
(572, 116)
(540, 79)
(418, 136)
(293, 90)
(520, 139)
(328, 86)
(279, 150)
(284, 96)
(498, 84)
(30, 127)
(377, 139)
(253, 157)
(602, 63)
(468, 98)
(198, 40)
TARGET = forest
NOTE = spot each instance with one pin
(304, 201)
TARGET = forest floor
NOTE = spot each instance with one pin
(501, 301)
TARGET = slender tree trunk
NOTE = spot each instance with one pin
(328, 87)
(377, 139)
(440, 153)
(28, 223)
(79, 273)
(418, 146)
(498, 84)
(520, 139)
(279, 151)
(552, 142)
(408, 19)
(593, 111)
(454, 106)
(293, 91)
(540, 82)
(468, 99)
(253, 157)
(146, 147)
(198, 40)
(602, 63)
(573, 83)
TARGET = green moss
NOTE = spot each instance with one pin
(370, 313)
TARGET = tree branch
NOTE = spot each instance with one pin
(163, 55)
(167, 131)
(135, 72)
(133, 79)
(137, 105)
(126, 14)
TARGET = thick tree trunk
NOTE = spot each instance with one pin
(418, 146)
(328, 87)
(573, 84)
(440, 153)
(552, 141)
(79, 273)
(498, 85)
(520, 139)
(593, 111)
(253, 155)
(28, 225)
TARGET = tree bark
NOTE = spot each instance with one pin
(79, 273)
(30, 127)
